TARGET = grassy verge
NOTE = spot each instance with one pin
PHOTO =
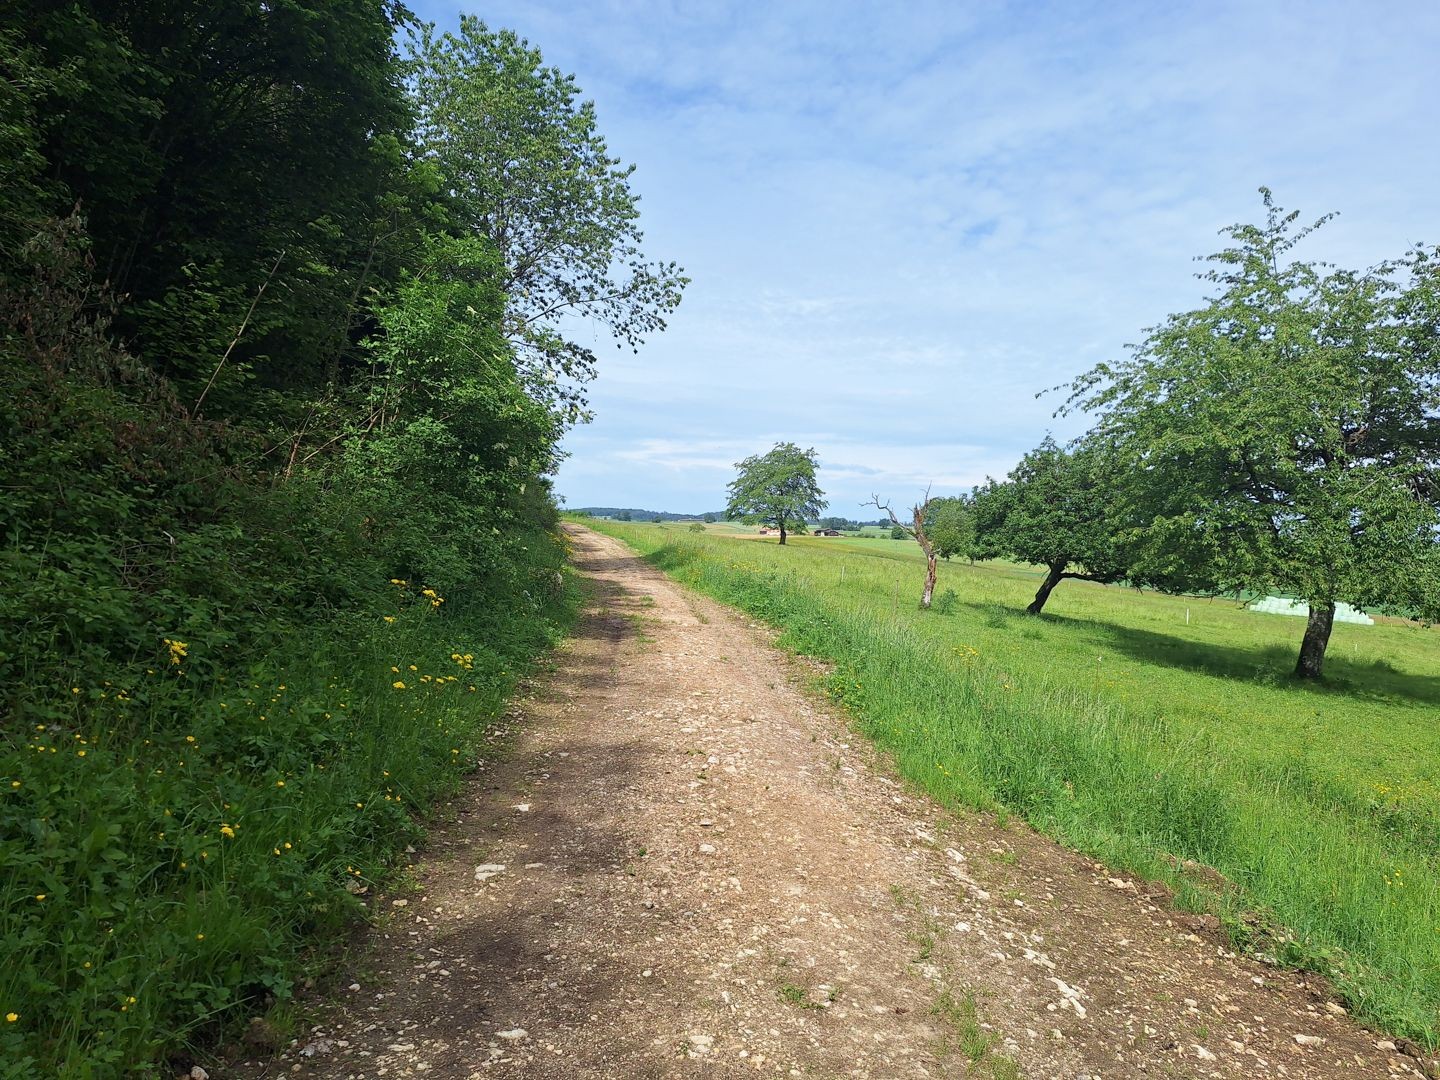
(176, 846)
(1129, 729)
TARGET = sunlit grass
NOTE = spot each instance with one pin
(1144, 729)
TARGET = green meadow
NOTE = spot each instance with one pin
(1143, 729)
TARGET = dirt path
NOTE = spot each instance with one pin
(689, 868)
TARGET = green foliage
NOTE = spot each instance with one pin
(897, 532)
(777, 487)
(206, 150)
(529, 172)
(950, 526)
(1136, 733)
(1282, 437)
(277, 532)
(1056, 509)
(189, 646)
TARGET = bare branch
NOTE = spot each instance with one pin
(195, 412)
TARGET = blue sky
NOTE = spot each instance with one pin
(903, 221)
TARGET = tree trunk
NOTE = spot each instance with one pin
(929, 579)
(1057, 572)
(929, 550)
(1317, 636)
(782, 532)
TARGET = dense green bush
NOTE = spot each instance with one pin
(283, 373)
(229, 696)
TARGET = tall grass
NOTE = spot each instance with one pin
(1146, 731)
(175, 847)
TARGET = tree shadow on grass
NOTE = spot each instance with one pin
(1269, 665)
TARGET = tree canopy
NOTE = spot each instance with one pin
(1283, 437)
(526, 168)
(950, 524)
(778, 488)
(1056, 509)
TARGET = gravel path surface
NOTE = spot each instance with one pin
(688, 866)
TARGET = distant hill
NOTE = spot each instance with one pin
(642, 515)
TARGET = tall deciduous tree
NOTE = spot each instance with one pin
(1284, 436)
(778, 487)
(212, 147)
(527, 169)
(1055, 508)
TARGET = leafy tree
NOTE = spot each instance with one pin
(624, 515)
(1283, 437)
(950, 524)
(897, 532)
(526, 168)
(709, 519)
(215, 148)
(778, 487)
(1054, 509)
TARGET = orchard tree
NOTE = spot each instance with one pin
(1055, 509)
(524, 166)
(950, 525)
(916, 529)
(1284, 437)
(777, 488)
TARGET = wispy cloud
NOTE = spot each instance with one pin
(904, 222)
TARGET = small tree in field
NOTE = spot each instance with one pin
(1284, 436)
(777, 488)
(950, 525)
(916, 529)
(1055, 509)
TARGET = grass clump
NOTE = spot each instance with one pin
(1148, 731)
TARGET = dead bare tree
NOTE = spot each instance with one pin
(915, 529)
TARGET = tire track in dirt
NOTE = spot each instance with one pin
(688, 866)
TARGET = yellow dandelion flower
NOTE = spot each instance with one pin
(226, 830)
(11, 1017)
(279, 783)
(398, 685)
